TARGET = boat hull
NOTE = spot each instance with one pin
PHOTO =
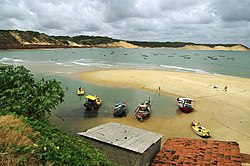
(80, 92)
(200, 130)
(142, 114)
(185, 104)
(185, 110)
(120, 109)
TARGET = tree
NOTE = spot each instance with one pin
(20, 93)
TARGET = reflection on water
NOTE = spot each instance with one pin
(90, 114)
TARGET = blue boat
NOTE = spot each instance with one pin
(120, 109)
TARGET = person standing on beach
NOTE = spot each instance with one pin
(225, 89)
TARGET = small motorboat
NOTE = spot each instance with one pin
(120, 109)
(200, 130)
(80, 92)
(92, 102)
(185, 104)
(143, 111)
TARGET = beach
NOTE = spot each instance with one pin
(224, 112)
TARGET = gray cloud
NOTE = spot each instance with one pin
(232, 10)
(212, 21)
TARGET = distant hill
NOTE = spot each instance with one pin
(16, 39)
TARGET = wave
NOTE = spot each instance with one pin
(64, 64)
(11, 60)
(185, 69)
(98, 65)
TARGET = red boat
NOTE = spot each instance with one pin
(185, 104)
(143, 111)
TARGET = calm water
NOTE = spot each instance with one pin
(63, 63)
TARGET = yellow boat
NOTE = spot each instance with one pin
(200, 130)
(80, 92)
(92, 102)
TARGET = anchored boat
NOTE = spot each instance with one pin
(92, 102)
(120, 109)
(80, 92)
(143, 111)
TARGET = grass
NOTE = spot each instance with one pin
(26, 141)
(14, 134)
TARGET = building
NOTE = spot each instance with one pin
(187, 151)
(123, 144)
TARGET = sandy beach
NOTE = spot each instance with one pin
(225, 113)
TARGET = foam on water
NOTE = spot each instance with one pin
(184, 69)
(9, 61)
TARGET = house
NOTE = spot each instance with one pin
(188, 151)
(123, 144)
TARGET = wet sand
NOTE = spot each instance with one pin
(225, 113)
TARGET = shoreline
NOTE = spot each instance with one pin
(225, 113)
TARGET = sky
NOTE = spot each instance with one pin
(198, 21)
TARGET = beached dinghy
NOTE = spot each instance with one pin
(143, 111)
(80, 92)
(185, 104)
(120, 109)
(92, 102)
(200, 130)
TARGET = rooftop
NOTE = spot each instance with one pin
(187, 151)
(134, 139)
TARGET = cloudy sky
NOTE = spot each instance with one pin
(199, 21)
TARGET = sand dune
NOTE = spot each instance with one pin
(225, 113)
(119, 44)
(202, 47)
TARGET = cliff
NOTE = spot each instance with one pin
(16, 39)
(237, 47)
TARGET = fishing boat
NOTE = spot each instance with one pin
(120, 109)
(80, 92)
(143, 111)
(200, 130)
(185, 104)
(92, 102)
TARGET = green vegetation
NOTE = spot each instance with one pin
(22, 95)
(159, 44)
(37, 141)
(11, 39)
(86, 40)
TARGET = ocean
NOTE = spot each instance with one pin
(68, 61)
(64, 64)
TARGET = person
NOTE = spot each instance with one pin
(225, 88)
(80, 89)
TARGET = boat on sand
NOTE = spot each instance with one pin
(185, 104)
(200, 130)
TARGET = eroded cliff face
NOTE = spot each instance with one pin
(26, 39)
(119, 44)
(225, 48)
(15, 39)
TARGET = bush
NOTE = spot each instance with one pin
(20, 93)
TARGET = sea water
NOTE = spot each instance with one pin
(62, 64)
(68, 61)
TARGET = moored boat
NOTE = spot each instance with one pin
(92, 102)
(185, 104)
(143, 111)
(200, 130)
(80, 92)
(120, 109)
